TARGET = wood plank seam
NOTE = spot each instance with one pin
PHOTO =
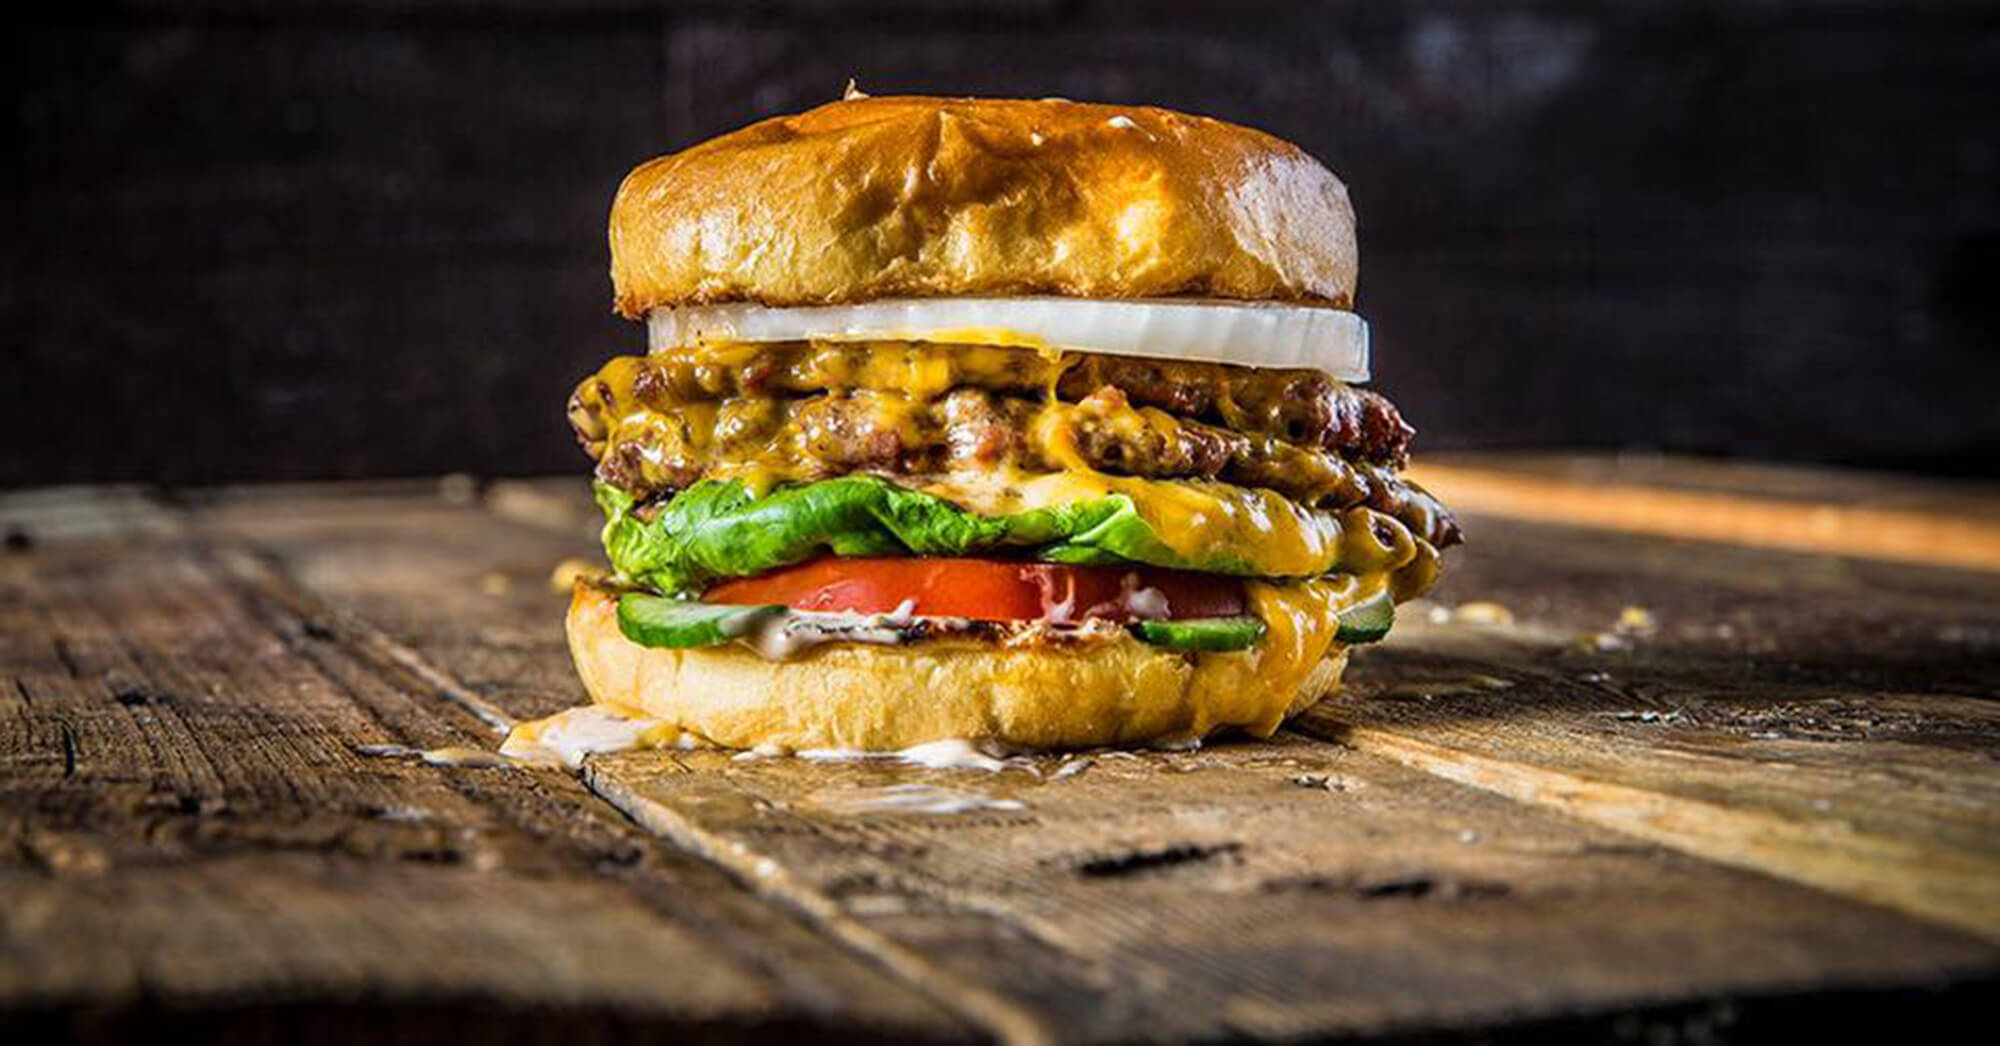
(1006, 1021)
(263, 581)
(379, 645)
(1764, 843)
(193, 831)
(1003, 1020)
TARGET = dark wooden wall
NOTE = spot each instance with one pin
(354, 238)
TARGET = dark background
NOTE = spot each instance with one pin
(352, 238)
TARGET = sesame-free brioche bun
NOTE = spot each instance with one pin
(881, 698)
(925, 197)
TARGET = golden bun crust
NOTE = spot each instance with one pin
(882, 698)
(924, 197)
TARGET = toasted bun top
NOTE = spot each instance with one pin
(921, 197)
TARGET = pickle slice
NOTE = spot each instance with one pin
(662, 622)
(1368, 620)
(1202, 633)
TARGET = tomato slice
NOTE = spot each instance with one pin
(988, 589)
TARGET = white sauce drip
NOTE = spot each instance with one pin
(1060, 613)
(570, 735)
(1072, 767)
(908, 799)
(1148, 603)
(452, 755)
(467, 757)
(767, 750)
(952, 753)
(790, 634)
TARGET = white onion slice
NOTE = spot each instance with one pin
(1249, 334)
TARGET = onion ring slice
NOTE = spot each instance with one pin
(1247, 334)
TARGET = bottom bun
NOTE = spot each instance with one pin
(1117, 691)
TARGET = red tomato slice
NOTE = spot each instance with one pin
(987, 589)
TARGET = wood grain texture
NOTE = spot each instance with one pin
(1279, 890)
(1826, 719)
(1767, 803)
(1890, 798)
(189, 822)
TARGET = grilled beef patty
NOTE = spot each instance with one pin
(1303, 407)
(650, 451)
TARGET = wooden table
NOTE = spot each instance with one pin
(1680, 774)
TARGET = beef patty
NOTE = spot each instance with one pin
(1304, 407)
(648, 447)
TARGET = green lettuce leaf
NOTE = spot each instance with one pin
(716, 529)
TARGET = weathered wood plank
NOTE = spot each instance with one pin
(1826, 718)
(186, 823)
(1226, 891)
(494, 621)
(1826, 721)
(1281, 889)
(1890, 798)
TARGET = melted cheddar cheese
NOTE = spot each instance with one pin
(1259, 687)
(696, 417)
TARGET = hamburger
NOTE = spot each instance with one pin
(1029, 422)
